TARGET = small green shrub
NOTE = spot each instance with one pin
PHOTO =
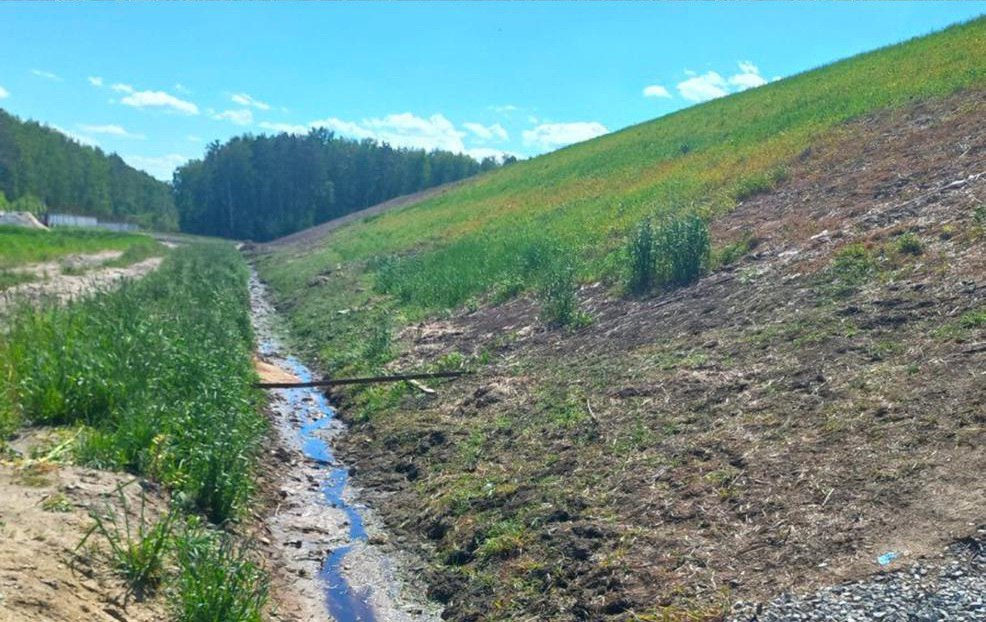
(908, 244)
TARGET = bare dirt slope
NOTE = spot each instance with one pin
(776, 426)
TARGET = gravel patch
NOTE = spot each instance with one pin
(952, 588)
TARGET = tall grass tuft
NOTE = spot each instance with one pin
(218, 581)
(138, 546)
(642, 262)
(671, 255)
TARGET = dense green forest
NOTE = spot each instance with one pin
(42, 169)
(263, 187)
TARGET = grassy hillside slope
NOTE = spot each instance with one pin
(579, 202)
(777, 425)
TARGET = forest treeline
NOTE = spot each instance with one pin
(263, 187)
(43, 169)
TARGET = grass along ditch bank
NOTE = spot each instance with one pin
(154, 379)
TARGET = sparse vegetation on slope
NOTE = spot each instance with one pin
(772, 425)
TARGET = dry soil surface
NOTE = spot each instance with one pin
(44, 515)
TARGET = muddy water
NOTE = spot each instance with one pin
(325, 533)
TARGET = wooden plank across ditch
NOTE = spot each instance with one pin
(331, 382)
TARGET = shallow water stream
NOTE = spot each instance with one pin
(320, 522)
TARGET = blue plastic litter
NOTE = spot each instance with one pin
(886, 558)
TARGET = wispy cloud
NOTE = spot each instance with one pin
(553, 135)
(749, 77)
(286, 128)
(110, 130)
(487, 132)
(656, 90)
(481, 153)
(95, 81)
(4, 93)
(154, 99)
(79, 138)
(402, 130)
(161, 167)
(239, 117)
(47, 75)
(181, 88)
(246, 100)
(504, 108)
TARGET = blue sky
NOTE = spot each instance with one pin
(156, 82)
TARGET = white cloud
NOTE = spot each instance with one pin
(154, 99)
(79, 138)
(4, 93)
(47, 75)
(181, 88)
(245, 100)
(504, 109)
(478, 153)
(709, 85)
(239, 117)
(656, 90)
(161, 167)
(401, 130)
(553, 135)
(749, 77)
(110, 130)
(487, 132)
(287, 128)
(95, 81)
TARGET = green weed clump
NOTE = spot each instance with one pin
(909, 244)
(671, 255)
(157, 373)
(218, 579)
(138, 546)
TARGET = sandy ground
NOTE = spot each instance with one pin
(44, 514)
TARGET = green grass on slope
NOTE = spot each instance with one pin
(578, 204)
(20, 246)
